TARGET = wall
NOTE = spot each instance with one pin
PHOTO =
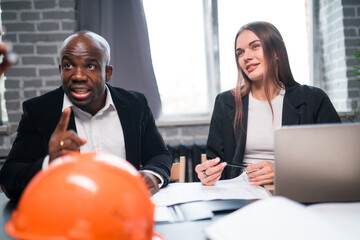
(187, 132)
(36, 29)
(339, 23)
(351, 12)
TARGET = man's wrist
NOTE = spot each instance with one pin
(157, 177)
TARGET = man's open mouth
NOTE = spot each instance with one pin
(80, 93)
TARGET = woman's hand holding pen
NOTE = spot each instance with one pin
(261, 173)
(210, 171)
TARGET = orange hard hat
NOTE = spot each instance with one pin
(85, 196)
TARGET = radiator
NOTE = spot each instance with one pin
(192, 153)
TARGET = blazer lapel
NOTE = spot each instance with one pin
(127, 124)
(53, 114)
(241, 138)
(291, 114)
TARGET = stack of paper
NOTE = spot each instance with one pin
(236, 188)
(168, 200)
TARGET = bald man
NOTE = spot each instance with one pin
(85, 114)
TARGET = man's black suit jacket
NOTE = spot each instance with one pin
(143, 143)
(302, 105)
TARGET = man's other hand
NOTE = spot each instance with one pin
(151, 181)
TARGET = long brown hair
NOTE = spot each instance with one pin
(277, 67)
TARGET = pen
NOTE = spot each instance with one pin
(247, 172)
(241, 165)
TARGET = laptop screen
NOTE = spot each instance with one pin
(318, 163)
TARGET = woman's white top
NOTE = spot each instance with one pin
(261, 128)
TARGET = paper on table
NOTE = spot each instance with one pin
(164, 214)
(345, 215)
(281, 218)
(237, 188)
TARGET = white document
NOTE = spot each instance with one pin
(281, 218)
(164, 214)
(237, 188)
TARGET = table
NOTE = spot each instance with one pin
(188, 229)
(6, 207)
(344, 217)
(185, 230)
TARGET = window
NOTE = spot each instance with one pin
(289, 19)
(180, 42)
(176, 34)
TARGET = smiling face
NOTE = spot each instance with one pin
(84, 71)
(250, 55)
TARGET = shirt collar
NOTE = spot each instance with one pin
(108, 102)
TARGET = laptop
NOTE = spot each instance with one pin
(318, 163)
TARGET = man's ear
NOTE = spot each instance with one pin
(108, 72)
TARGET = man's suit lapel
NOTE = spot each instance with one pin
(53, 114)
(127, 124)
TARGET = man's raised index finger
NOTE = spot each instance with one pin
(64, 120)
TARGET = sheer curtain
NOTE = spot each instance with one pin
(123, 25)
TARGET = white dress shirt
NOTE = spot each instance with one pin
(103, 131)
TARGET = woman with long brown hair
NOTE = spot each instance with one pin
(266, 97)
